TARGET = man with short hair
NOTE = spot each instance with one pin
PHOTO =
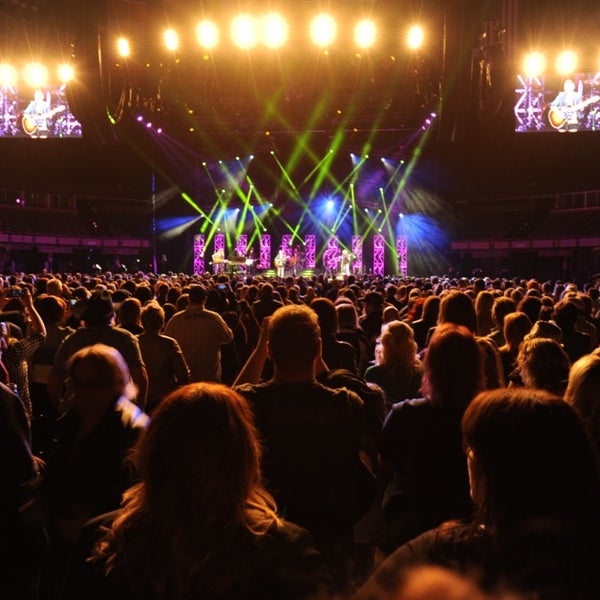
(200, 334)
(311, 433)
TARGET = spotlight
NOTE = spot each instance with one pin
(123, 47)
(323, 30)
(148, 125)
(207, 34)
(139, 118)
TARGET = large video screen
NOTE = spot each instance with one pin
(37, 113)
(557, 104)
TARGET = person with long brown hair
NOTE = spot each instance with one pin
(200, 524)
(535, 482)
(421, 449)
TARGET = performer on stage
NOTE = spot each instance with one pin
(250, 261)
(218, 260)
(279, 261)
(296, 260)
(345, 262)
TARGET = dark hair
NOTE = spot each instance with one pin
(153, 317)
(456, 307)
(52, 309)
(197, 294)
(534, 457)
(327, 315)
(502, 306)
(447, 381)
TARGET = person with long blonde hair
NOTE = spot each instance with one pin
(200, 524)
(397, 369)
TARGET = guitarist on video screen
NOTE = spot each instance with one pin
(566, 111)
(37, 115)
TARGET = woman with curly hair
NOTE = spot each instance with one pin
(544, 365)
(397, 369)
(199, 524)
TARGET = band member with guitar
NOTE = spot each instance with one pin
(280, 260)
(565, 108)
(37, 115)
(346, 262)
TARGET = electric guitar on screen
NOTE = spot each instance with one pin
(32, 123)
(558, 116)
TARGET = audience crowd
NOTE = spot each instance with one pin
(236, 437)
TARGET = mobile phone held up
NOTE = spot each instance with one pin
(16, 292)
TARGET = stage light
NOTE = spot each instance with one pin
(8, 76)
(149, 125)
(534, 64)
(171, 40)
(139, 118)
(243, 31)
(159, 130)
(329, 204)
(323, 30)
(207, 34)
(123, 47)
(566, 62)
(65, 73)
(365, 33)
(415, 37)
(36, 75)
(275, 30)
